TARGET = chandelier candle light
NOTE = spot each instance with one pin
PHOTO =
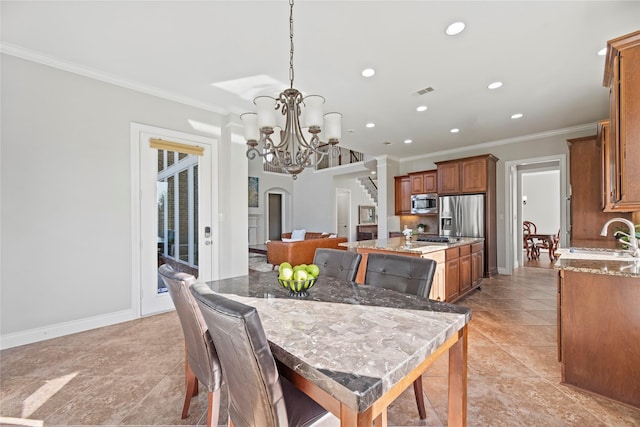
(288, 148)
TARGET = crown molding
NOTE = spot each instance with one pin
(515, 140)
(37, 57)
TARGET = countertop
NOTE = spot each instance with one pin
(399, 244)
(626, 268)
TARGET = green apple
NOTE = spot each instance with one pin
(300, 275)
(286, 273)
(283, 265)
(313, 270)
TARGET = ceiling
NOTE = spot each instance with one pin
(544, 52)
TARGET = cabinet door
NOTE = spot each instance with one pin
(465, 274)
(473, 174)
(402, 195)
(604, 145)
(449, 178)
(430, 182)
(452, 279)
(476, 268)
(417, 183)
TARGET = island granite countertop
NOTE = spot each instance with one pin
(610, 267)
(400, 244)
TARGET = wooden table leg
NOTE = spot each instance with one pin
(458, 381)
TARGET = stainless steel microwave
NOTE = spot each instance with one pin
(424, 203)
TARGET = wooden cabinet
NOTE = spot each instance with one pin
(598, 348)
(475, 175)
(452, 274)
(403, 195)
(463, 270)
(448, 178)
(477, 263)
(367, 232)
(424, 182)
(470, 175)
(622, 145)
(587, 218)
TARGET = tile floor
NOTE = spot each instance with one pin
(131, 373)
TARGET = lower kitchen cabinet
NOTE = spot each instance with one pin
(599, 334)
(464, 269)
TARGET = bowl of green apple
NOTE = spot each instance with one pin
(298, 279)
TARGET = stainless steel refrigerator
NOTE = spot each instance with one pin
(461, 216)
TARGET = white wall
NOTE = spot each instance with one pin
(542, 190)
(358, 197)
(65, 196)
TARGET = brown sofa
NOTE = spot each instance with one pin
(302, 251)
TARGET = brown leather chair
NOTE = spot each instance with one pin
(258, 395)
(410, 275)
(201, 359)
(337, 263)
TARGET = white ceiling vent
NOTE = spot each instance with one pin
(423, 91)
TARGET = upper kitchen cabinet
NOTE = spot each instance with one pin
(424, 182)
(621, 144)
(470, 175)
(403, 195)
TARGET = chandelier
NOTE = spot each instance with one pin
(280, 138)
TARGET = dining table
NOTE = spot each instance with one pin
(355, 348)
(549, 239)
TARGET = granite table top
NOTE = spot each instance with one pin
(625, 268)
(353, 341)
(400, 244)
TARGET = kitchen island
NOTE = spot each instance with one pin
(459, 268)
(599, 323)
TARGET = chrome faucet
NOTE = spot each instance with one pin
(633, 241)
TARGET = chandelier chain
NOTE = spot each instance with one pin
(291, 42)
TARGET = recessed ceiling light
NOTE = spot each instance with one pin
(602, 52)
(373, 172)
(455, 28)
(516, 116)
(408, 141)
(368, 72)
(454, 130)
(422, 108)
(495, 85)
(370, 125)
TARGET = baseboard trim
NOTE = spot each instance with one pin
(65, 328)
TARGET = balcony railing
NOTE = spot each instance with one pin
(345, 157)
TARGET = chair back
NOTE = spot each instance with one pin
(528, 228)
(411, 275)
(201, 354)
(342, 265)
(253, 383)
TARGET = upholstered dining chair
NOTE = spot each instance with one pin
(337, 263)
(258, 395)
(201, 360)
(410, 275)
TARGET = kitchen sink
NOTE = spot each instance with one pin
(595, 254)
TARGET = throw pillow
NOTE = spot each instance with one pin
(284, 239)
(333, 236)
(298, 234)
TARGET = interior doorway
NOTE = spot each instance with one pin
(274, 216)
(343, 213)
(514, 171)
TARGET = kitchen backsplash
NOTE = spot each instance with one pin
(412, 221)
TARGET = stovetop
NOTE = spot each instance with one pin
(434, 239)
